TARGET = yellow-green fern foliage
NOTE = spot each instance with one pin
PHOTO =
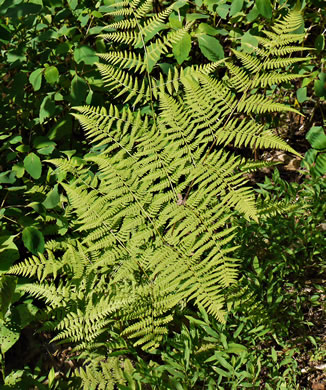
(151, 204)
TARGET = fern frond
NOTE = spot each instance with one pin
(273, 78)
(277, 208)
(125, 59)
(251, 63)
(38, 266)
(120, 79)
(278, 63)
(252, 166)
(291, 22)
(259, 104)
(152, 205)
(124, 24)
(54, 296)
(127, 37)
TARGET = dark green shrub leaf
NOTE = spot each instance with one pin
(8, 177)
(236, 7)
(62, 48)
(24, 314)
(320, 42)
(8, 252)
(35, 79)
(38, 207)
(52, 198)
(16, 55)
(175, 22)
(194, 16)
(316, 137)
(33, 240)
(51, 74)
(248, 42)
(7, 289)
(73, 4)
(44, 145)
(253, 14)
(223, 10)
(19, 169)
(33, 165)
(61, 129)
(47, 108)
(265, 8)
(5, 34)
(41, 142)
(205, 28)
(85, 54)
(302, 95)
(15, 140)
(9, 334)
(182, 48)
(320, 88)
(79, 89)
(210, 47)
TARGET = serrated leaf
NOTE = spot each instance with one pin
(33, 240)
(182, 48)
(33, 165)
(51, 74)
(35, 79)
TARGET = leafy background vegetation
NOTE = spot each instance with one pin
(274, 336)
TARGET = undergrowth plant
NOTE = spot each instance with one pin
(151, 205)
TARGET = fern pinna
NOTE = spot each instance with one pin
(151, 204)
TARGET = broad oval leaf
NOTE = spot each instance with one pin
(210, 47)
(8, 253)
(33, 165)
(320, 42)
(35, 79)
(236, 7)
(51, 74)
(52, 198)
(316, 137)
(47, 108)
(9, 334)
(265, 8)
(302, 94)
(33, 240)
(320, 88)
(85, 54)
(182, 48)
